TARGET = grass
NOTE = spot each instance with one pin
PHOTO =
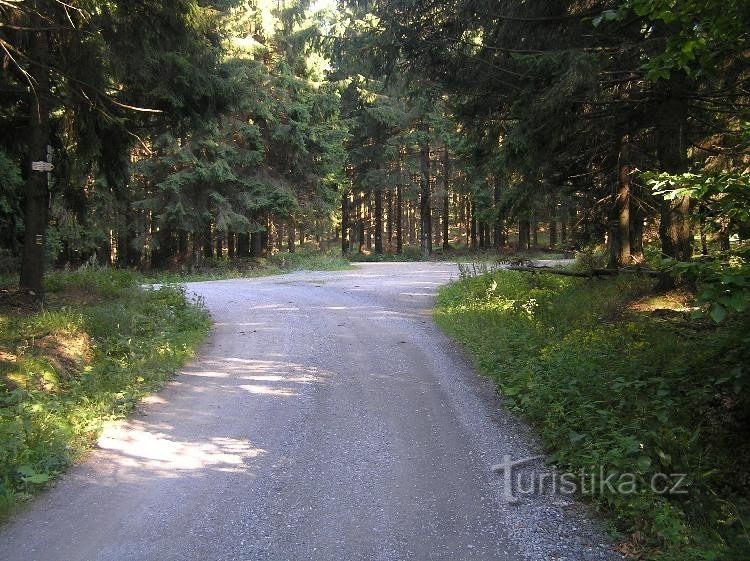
(224, 268)
(459, 254)
(100, 344)
(610, 379)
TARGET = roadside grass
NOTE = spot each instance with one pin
(610, 379)
(224, 268)
(99, 345)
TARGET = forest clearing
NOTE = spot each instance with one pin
(230, 230)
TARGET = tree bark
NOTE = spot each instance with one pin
(361, 223)
(255, 244)
(37, 187)
(379, 221)
(637, 216)
(243, 245)
(345, 227)
(219, 245)
(497, 236)
(262, 243)
(553, 221)
(368, 220)
(725, 235)
(399, 219)
(291, 234)
(620, 252)
(446, 221)
(524, 234)
(389, 219)
(230, 245)
(446, 198)
(425, 208)
(473, 226)
(208, 246)
(675, 229)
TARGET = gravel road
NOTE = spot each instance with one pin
(326, 418)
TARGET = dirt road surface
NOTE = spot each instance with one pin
(326, 418)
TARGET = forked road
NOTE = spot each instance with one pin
(326, 419)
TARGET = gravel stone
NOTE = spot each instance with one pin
(326, 418)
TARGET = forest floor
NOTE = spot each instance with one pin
(325, 418)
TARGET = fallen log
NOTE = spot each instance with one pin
(588, 274)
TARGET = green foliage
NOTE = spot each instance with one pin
(78, 365)
(627, 391)
(309, 261)
(723, 278)
(723, 282)
(280, 263)
(725, 193)
(701, 33)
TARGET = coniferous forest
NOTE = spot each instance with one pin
(188, 130)
(182, 135)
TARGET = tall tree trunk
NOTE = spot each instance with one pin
(473, 225)
(219, 245)
(379, 221)
(725, 235)
(291, 234)
(553, 221)
(623, 205)
(524, 234)
(620, 253)
(572, 220)
(497, 233)
(425, 207)
(389, 219)
(399, 219)
(446, 199)
(466, 214)
(37, 186)
(637, 216)
(413, 224)
(183, 245)
(704, 240)
(255, 244)
(446, 221)
(243, 245)
(230, 244)
(345, 227)
(208, 246)
(361, 223)
(104, 251)
(675, 229)
(264, 237)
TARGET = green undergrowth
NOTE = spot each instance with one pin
(612, 382)
(458, 254)
(99, 345)
(277, 264)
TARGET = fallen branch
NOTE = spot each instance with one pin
(587, 274)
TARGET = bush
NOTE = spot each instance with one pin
(628, 391)
(303, 260)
